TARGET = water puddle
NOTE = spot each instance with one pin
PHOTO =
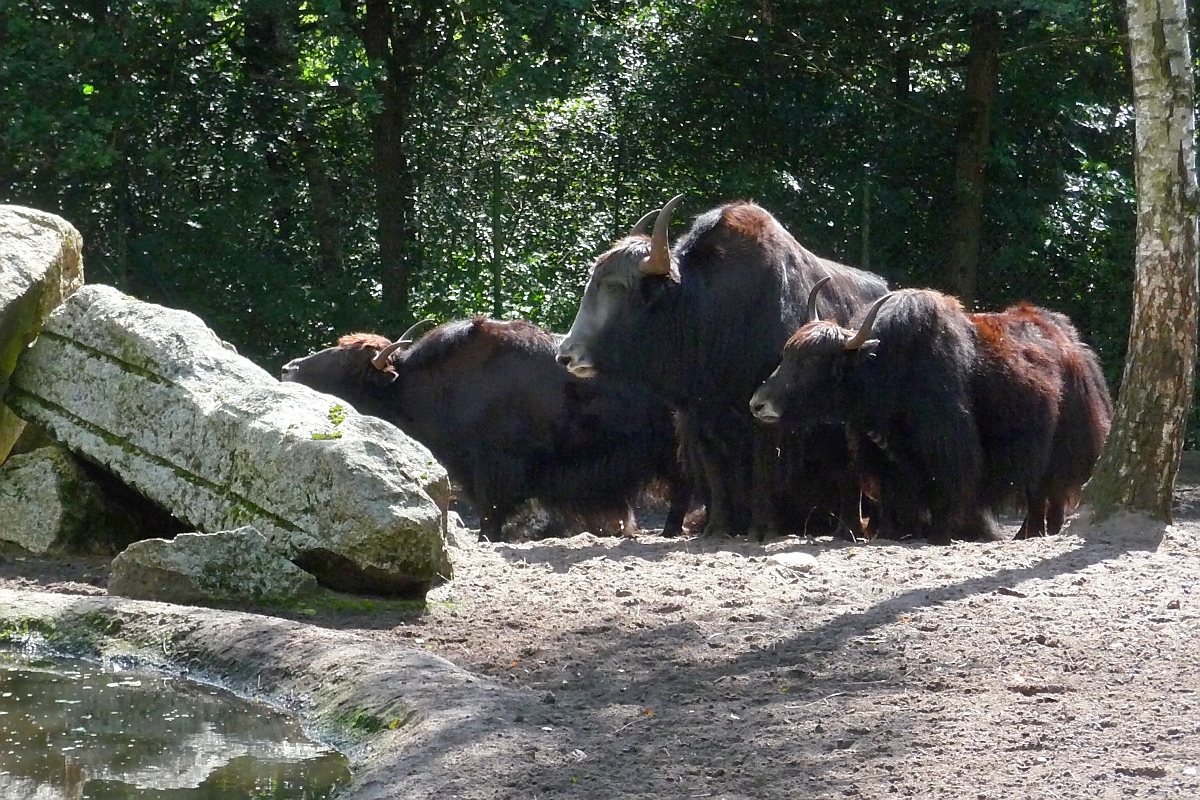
(72, 729)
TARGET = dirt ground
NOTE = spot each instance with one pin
(1067, 667)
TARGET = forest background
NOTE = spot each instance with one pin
(291, 171)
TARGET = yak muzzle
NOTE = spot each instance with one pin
(764, 409)
(576, 363)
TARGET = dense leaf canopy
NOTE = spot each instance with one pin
(278, 166)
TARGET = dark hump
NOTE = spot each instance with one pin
(723, 230)
(712, 230)
(446, 340)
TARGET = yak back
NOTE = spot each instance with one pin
(914, 388)
(479, 381)
(1017, 393)
(477, 389)
(743, 290)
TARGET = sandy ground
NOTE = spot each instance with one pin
(1067, 667)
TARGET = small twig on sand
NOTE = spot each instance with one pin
(814, 702)
(626, 725)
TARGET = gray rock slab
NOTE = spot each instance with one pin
(40, 265)
(53, 504)
(46, 502)
(154, 395)
(205, 569)
(413, 724)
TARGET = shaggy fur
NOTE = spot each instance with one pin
(509, 424)
(970, 412)
(704, 338)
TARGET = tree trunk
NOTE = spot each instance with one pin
(966, 220)
(395, 184)
(1137, 468)
(323, 201)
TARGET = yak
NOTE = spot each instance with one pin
(967, 412)
(510, 424)
(1082, 417)
(702, 325)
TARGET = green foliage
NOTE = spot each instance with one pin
(219, 156)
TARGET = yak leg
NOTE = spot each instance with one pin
(495, 476)
(680, 474)
(720, 510)
(722, 445)
(1034, 524)
(721, 478)
(1056, 513)
(980, 526)
(681, 500)
(905, 506)
(767, 462)
(702, 462)
(629, 523)
(850, 508)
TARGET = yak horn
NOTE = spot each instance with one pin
(812, 298)
(639, 227)
(659, 260)
(410, 335)
(863, 333)
(383, 358)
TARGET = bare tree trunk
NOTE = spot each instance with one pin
(395, 184)
(323, 201)
(974, 126)
(1137, 468)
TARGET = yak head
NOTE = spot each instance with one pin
(624, 283)
(808, 381)
(358, 370)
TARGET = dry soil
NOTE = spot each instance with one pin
(1067, 667)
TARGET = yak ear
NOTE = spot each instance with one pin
(381, 377)
(869, 347)
(653, 291)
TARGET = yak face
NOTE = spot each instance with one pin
(810, 383)
(618, 294)
(808, 379)
(345, 371)
(625, 283)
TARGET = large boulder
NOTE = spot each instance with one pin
(40, 265)
(159, 400)
(206, 569)
(51, 503)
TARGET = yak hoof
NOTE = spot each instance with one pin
(715, 531)
(760, 533)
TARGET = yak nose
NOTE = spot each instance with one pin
(763, 409)
(570, 355)
(288, 373)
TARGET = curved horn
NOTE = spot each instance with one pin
(409, 336)
(812, 298)
(639, 227)
(383, 358)
(864, 330)
(659, 260)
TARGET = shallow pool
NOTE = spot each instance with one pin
(73, 729)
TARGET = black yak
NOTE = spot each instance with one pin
(506, 420)
(702, 325)
(1081, 419)
(968, 412)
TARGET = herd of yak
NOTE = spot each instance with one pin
(788, 392)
